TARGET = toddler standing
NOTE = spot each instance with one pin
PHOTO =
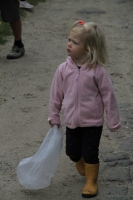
(81, 89)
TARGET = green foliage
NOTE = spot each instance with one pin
(5, 29)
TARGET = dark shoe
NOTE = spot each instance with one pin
(16, 52)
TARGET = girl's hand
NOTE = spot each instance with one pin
(58, 125)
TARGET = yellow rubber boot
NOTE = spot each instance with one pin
(91, 187)
(80, 166)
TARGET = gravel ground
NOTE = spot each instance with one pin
(24, 96)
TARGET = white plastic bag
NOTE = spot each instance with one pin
(36, 172)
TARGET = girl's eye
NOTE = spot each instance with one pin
(69, 40)
(75, 43)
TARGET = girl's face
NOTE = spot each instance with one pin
(75, 46)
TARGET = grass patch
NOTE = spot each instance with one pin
(5, 29)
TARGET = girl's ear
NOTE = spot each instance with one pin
(86, 51)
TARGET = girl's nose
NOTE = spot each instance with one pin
(69, 44)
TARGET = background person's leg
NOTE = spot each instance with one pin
(18, 47)
(11, 15)
(17, 29)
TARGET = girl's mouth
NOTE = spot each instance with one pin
(68, 51)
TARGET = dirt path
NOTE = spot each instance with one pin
(24, 95)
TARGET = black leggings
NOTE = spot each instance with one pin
(83, 142)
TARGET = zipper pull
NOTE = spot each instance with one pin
(77, 76)
(78, 73)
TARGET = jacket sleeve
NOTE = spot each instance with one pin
(56, 97)
(109, 99)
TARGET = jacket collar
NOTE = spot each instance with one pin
(72, 64)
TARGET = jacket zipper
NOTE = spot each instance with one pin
(77, 81)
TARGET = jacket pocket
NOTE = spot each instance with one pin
(89, 111)
(68, 116)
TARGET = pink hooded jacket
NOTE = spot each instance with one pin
(81, 95)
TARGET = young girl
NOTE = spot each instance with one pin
(81, 89)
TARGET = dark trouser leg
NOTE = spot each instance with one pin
(90, 144)
(83, 142)
(73, 144)
(73, 148)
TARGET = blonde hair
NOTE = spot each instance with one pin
(94, 42)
